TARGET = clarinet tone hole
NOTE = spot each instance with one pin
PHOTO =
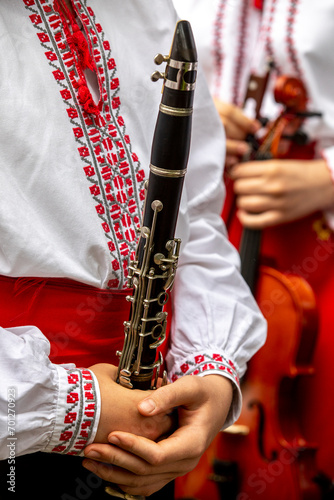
(162, 298)
(157, 331)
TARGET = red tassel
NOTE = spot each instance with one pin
(86, 99)
(258, 4)
(79, 40)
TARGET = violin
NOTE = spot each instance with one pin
(265, 454)
(284, 139)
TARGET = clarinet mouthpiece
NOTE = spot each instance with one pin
(183, 46)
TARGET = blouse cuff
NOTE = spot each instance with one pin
(78, 412)
(212, 363)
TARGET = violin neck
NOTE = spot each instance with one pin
(249, 249)
(249, 254)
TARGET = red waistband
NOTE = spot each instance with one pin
(84, 324)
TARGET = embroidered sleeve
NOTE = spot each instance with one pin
(77, 412)
(212, 363)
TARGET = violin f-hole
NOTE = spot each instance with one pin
(255, 404)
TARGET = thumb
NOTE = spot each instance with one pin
(182, 392)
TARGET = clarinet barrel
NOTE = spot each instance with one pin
(152, 273)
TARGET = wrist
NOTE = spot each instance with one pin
(219, 373)
(221, 390)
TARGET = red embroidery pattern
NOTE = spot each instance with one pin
(241, 54)
(270, 12)
(112, 169)
(202, 363)
(266, 28)
(218, 53)
(80, 413)
(291, 21)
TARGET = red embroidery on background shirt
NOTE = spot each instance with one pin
(103, 144)
(291, 22)
(218, 53)
(240, 59)
(267, 28)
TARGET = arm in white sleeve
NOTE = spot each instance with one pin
(43, 406)
(217, 325)
(328, 155)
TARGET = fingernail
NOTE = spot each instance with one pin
(148, 405)
(93, 454)
(113, 440)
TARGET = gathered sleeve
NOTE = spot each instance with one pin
(43, 406)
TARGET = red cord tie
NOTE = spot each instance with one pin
(85, 98)
(258, 4)
(83, 59)
(82, 50)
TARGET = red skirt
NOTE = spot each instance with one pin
(83, 324)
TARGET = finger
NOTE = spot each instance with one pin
(126, 457)
(182, 446)
(233, 130)
(256, 204)
(111, 455)
(126, 480)
(258, 186)
(130, 483)
(237, 148)
(233, 114)
(250, 186)
(186, 392)
(137, 454)
(262, 220)
(250, 169)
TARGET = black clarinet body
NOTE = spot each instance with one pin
(152, 273)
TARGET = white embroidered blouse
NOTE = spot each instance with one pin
(67, 182)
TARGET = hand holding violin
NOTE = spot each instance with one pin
(275, 191)
(237, 126)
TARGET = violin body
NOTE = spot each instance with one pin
(273, 459)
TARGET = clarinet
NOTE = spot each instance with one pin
(152, 272)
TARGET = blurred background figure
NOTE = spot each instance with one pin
(270, 69)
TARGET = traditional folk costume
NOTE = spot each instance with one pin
(78, 111)
(236, 38)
